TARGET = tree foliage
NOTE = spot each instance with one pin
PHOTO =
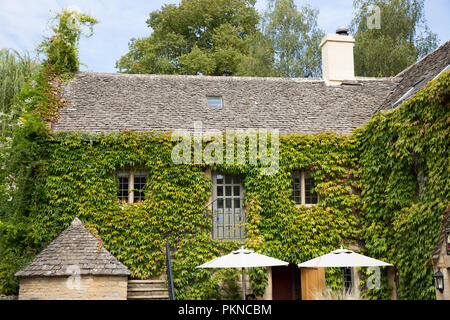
(228, 37)
(402, 38)
(206, 37)
(295, 37)
(15, 71)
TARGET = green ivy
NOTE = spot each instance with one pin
(23, 156)
(74, 174)
(404, 160)
(61, 49)
(367, 185)
(80, 180)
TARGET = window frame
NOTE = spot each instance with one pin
(131, 174)
(214, 105)
(348, 279)
(225, 197)
(302, 175)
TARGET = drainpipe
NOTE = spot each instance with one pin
(169, 272)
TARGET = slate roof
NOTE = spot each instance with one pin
(74, 247)
(410, 80)
(101, 102)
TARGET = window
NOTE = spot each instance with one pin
(131, 186)
(214, 101)
(297, 188)
(123, 186)
(347, 279)
(302, 188)
(448, 241)
(228, 213)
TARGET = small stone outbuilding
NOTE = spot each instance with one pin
(74, 266)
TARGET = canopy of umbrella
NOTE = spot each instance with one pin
(243, 258)
(343, 258)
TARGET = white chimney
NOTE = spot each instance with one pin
(337, 57)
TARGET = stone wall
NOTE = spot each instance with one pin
(443, 263)
(3, 297)
(86, 287)
(268, 292)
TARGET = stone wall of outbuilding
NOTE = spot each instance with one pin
(85, 287)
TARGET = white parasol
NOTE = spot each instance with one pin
(343, 258)
(243, 258)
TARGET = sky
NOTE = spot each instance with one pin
(23, 23)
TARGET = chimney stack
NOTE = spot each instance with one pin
(337, 57)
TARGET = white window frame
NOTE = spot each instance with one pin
(214, 105)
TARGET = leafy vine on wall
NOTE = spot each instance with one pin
(404, 160)
(384, 187)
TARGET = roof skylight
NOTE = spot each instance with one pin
(214, 101)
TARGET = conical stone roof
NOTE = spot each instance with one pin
(74, 251)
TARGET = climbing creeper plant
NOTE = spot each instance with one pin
(23, 157)
(404, 160)
(385, 187)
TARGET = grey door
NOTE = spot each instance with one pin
(227, 206)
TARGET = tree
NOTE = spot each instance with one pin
(15, 71)
(296, 37)
(201, 36)
(400, 38)
(259, 62)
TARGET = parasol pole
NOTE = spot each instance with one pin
(243, 283)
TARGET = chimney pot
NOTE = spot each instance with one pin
(342, 30)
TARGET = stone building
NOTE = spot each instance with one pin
(339, 102)
(98, 102)
(74, 266)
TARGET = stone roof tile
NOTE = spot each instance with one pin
(100, 102)
(418, 75)
(74, 248)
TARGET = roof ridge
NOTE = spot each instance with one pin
(400, 74)
(410, 77)
(207, 77)
(204, 77)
